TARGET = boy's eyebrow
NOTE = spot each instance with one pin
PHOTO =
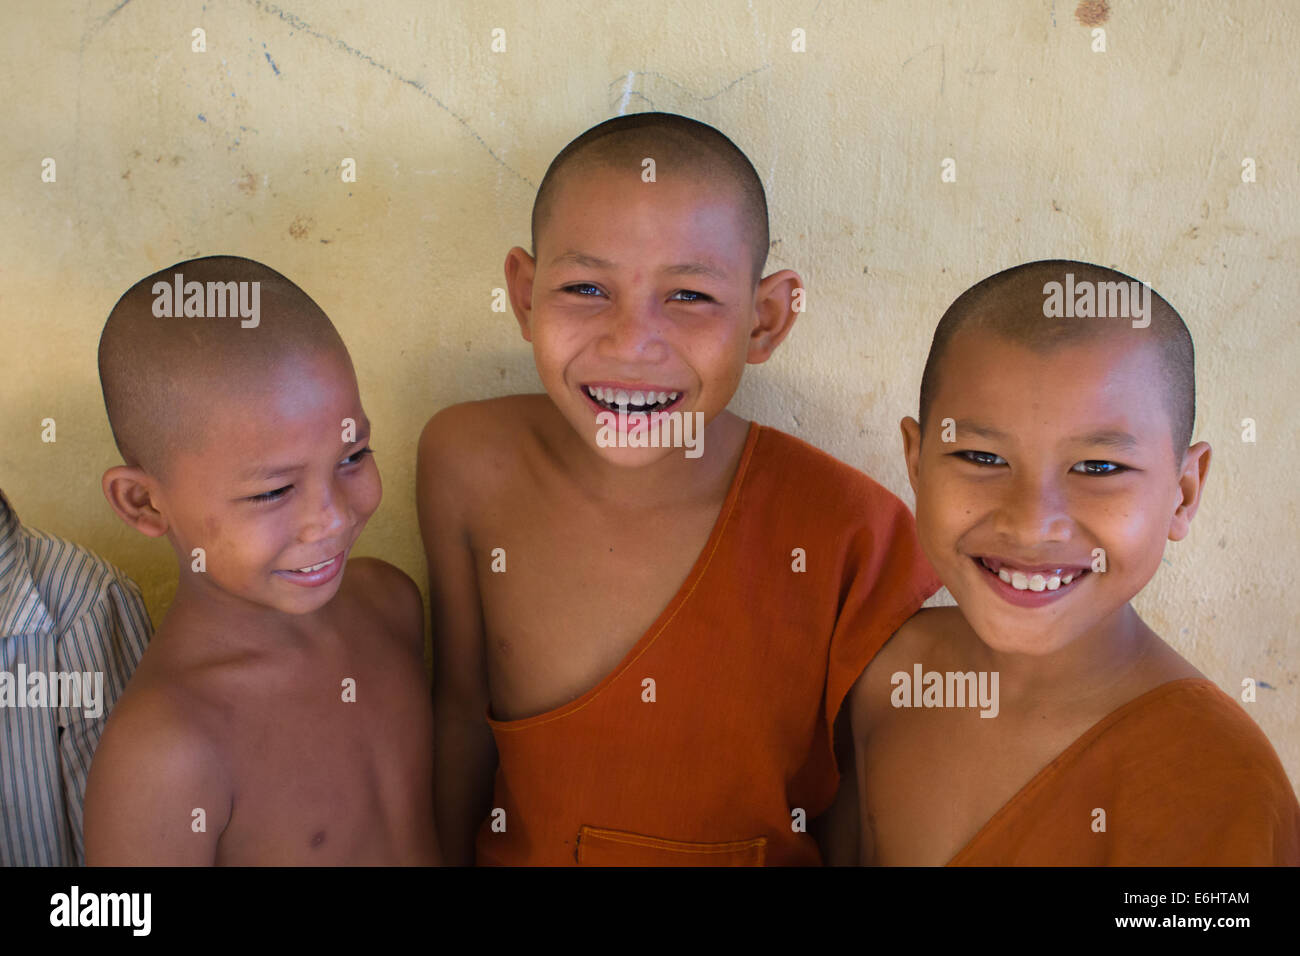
(983, 431)
(265, 473)
(697, 268)
(582, 259)
(261, 473)
(1113, 437)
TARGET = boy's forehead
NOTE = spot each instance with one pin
(609, 207)
(297, 398)
(1108, 377)
(616, 188)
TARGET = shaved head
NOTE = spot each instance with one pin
(681, 147)
(162, 373)
(1011, 305)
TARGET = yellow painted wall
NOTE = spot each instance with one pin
(1131, 157)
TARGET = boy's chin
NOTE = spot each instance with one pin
(1029, 641)
(1034, 632)
(293, 599)
(281, 597)
(632, 458)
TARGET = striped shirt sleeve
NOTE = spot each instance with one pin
(108, 639)
(81, 616)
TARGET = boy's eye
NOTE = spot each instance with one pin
(583, 288)
(981, 457)
(359, 456)
(689, 295)
(271, 495)
(1093, 467)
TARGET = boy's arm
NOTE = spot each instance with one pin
(836, 830)
(464, 754)
(858, 702)
(397, 599)
(866, 706)
(150, 775)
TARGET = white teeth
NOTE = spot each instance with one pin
(618, 396)
(316, 567)
(1033, 580)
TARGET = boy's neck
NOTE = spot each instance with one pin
(221, 618)
(1091, 664)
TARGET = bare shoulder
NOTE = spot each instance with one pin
(919, 639)
(1160, 663)
(916, 641)
(467, 457)
(160, 754)
(390, 594)
(155, 720)
(470, 440)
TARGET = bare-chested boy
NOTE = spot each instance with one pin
(281, 714)
(658, 637)
(1041, 722)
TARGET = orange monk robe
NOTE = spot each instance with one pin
(1184, 776)
(810, 567)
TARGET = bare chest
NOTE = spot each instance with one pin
(566, 596)
(934, 778)
(332, 763)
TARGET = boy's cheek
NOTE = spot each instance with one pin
(943, 510)
(371, 497)
(556, 330)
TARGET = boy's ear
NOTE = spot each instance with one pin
(774, 313)
(130, 492)
(520, 269)
(1191, 480)
(911, 430)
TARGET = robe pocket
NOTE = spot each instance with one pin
(602, 847)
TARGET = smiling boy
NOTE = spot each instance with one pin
(1051, 463)
(280, 715)
(646, 648)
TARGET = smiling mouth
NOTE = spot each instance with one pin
(631, 400)
(1037, 579)
(314, 567)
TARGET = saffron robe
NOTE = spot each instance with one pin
(809, 569)
(1184, 777)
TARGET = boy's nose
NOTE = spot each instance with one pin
(1033, 511)
(635, 331)
(326, 514)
